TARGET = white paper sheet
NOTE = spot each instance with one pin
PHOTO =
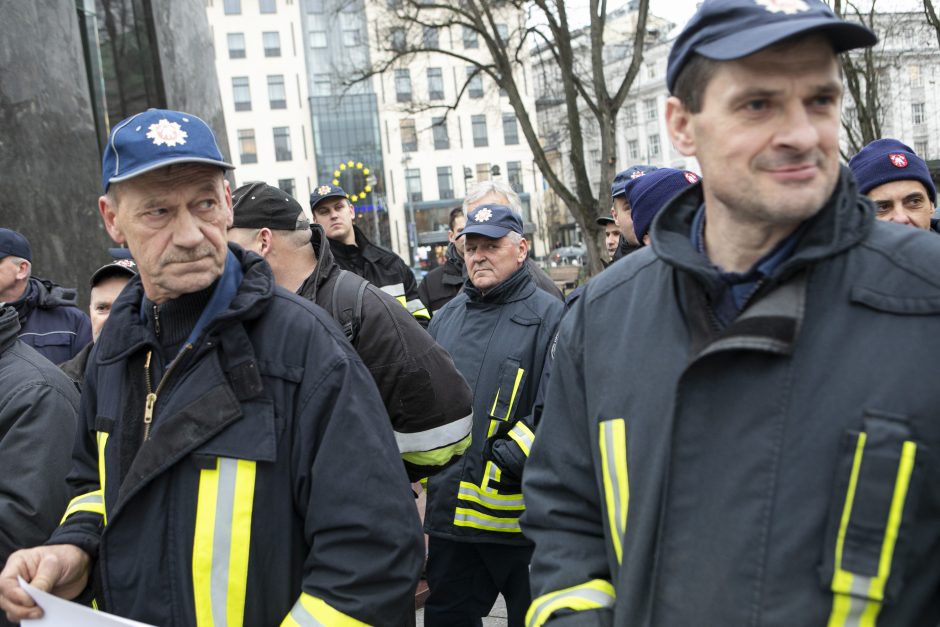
(61, 613)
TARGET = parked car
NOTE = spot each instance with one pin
(567, 255)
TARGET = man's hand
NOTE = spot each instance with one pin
(61, 569)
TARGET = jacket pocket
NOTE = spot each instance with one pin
(889, 303)
(510, 380)
(252, 437)
(873, 506)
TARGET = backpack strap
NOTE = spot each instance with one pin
(346, 302)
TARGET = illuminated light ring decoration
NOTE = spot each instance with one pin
(365, 174)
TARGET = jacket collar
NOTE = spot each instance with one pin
(363, 247)
(453, 266)
(326, 263)
(9, 327)
(129, 332)
(518, 286)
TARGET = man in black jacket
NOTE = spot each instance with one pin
(444, 282)
(427, 399)
(353, 251)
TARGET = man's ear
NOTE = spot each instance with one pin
(679, 125)
(109, 216)
(228, 203)
(523, 250)
(266, 238)
(22, 272)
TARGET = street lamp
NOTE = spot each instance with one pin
(411, 229)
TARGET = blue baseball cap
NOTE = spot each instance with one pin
(494, 221)
(13, 244)
(723, 30)
(649, 194)
(326, 191)
(888, 160)
(619, 186)
(154, 139)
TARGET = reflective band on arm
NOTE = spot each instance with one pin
(492, 500)
(592, 595)
(309, 611)
(857, 599)
(438, 457)
(417, 308)
(221, 542)
(523, 436)
(435, 438)
(89, 502)
(102, 437)
(464, 517)
(396, 290)
(613, 445)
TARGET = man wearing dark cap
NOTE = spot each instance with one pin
(50, 320)
(353, 251)
(620, 208)
(426, 398)
(106, 284)
(757, 446)
(498, 330)
(234, 463)
(897, 181)
(649, 195)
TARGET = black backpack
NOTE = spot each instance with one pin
(347, 303)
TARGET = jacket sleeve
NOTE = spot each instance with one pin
(82, 333)
(38, 422)
(570, 573)
(428, 401)
(360, 519)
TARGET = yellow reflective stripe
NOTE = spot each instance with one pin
(102, 437)
(523, 436)
(491, 474)
(403, 301)
(421, 313)
(94, 604)
(221, 542)
(309, 611)
(515, 389)
(613, 448)
(438, 457)
(493, 409)
(592, 595)
(89, 502)
(491, 500)
(857, 599)
(464, 517)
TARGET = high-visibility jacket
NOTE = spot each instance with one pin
(270, 490)
(780, 471)
(427, 399)
(499, 341)
(384, 269)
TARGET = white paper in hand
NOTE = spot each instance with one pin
(61, 613)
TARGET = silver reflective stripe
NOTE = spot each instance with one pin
(523, 434)
(89, 498)
(475, 495)
(594, 596)
(434, 438)
(302, 617)
(611, 471)
(858, 601)
(396, 290)
(222, 539)
(414, 305)
(479, 521)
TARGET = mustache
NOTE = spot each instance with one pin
(788, 160)
(189, 255)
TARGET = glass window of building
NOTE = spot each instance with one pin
(413, 184)
(653, 143)
(483, 172)
(409, 135)
(478, 123)
(651, 111)
(503, 32)
(267, 6)
(272, 43)
(633, 147)
(445, 183)
(318, 39)
(922, 148)
(475, 82)
(510, 129)
(322, 85)
(397, 37)
(439, 129)
(394, 4)
(314, 6)
(232, 7)
(241, 93)
(470, 38)
(247, 148)
(917, 112)
(435, 83)
(629, 114)
(277, 94)
(514, 176)
(286, 185)
(351, 37)
(282, 151)
(431, 37)
(403, 85)
(236, 45)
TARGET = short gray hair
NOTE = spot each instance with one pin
(485, 188)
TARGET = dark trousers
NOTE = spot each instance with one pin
(465, 579)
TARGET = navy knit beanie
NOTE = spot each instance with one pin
(888, 160)
(650, 193)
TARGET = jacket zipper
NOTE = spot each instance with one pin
(151, 393)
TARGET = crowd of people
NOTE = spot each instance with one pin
(732, 424)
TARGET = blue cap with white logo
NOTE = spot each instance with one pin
(494, 221)
(154, 139)
(723, 30)
(623, 178)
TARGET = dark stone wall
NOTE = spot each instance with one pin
(49, 161)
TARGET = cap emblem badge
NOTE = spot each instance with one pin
(788, 7)
(483, 215)
(898, 160)
(323, 189)
(691, 177)
(125, 263)
(637, 174)
(166, 133)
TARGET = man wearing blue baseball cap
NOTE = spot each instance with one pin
(234, 462)
(498, 331)
(898, 181)
(741, 455)
(620, 208)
